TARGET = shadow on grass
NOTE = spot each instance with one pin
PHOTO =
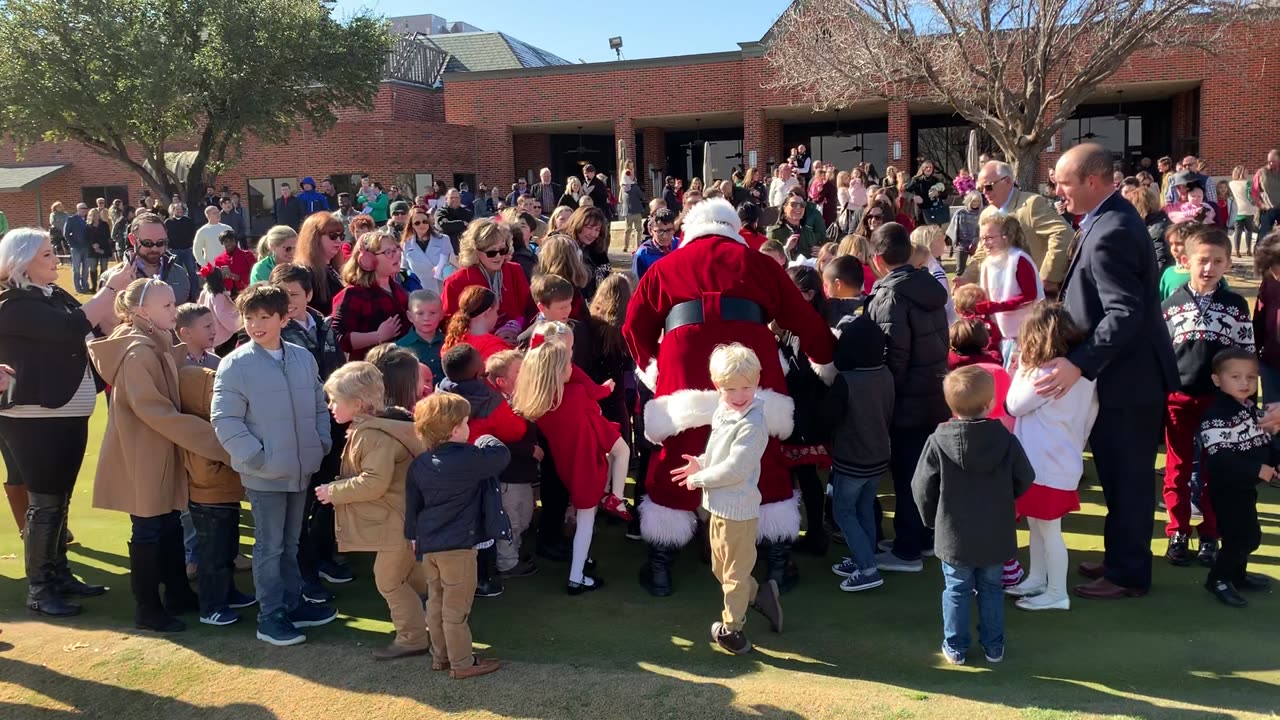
(92, 699)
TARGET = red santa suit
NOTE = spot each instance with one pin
(738, 291)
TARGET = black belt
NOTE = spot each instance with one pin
(690, 312)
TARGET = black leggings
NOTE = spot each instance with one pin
(45, 454)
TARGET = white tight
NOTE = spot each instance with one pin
(619, 459)
(582, 543)
(1048, 556)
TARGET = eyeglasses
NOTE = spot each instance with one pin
(662, 231)
(390, 251)
(417, 223)
(497, 253)
(153, 244)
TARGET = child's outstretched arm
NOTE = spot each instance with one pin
(744, 456)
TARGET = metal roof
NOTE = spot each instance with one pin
(18, 179)
(480, 51)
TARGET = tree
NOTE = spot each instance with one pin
(1017, 69)
(134, 80)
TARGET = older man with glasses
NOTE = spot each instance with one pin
(1048, 235)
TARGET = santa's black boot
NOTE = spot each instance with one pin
(782, 569)
(655, 575)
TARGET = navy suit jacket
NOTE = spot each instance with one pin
(1112, 291)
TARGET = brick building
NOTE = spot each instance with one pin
(682, 116)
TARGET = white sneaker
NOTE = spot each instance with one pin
(1045, 602)
(1026, 588)
(888, 562)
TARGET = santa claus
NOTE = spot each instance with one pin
(714, 290)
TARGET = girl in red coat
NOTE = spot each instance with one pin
(473, 321)
(586, 447)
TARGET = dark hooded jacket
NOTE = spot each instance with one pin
(969, 475)
(910, 306)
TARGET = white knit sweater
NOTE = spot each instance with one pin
(730, 473)
(1053, 432)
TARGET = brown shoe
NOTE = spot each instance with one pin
(1104, 589)
(395, 652)
(735, 641)
(768, 603)
(1091, 570)
(480, 666)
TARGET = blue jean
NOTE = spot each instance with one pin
(957, 601)
(150, 530)
(852, 504)
(277, 523)
(219, 530)
(1267, 220)
(190, 540)
(80, 268)
(1270, 381)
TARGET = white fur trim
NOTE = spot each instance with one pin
(779, 521)
(687, 409)
(826, 372)
(711, 217)
(667, 527)
(649, 375)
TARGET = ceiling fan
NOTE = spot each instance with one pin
(1120, 115)
(696, 142)
(838, 132)
(1089, 133)
(582, 149)
(857, 146)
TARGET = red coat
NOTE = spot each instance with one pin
(753, 238)
(241, 263)
(679, 417)
(488, 344)
(579, 439)
(516, 303)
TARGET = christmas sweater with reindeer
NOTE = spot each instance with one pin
(1233, 446)
(1202, 326)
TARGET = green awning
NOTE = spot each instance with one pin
(21, 179)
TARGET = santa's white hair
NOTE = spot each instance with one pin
(712, 217)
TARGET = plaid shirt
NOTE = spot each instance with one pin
(362, 309)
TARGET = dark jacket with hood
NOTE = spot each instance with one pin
(910, 306)
(969, 475)
(320, 340)
(445, 494)
(312, 201)
(859, 406)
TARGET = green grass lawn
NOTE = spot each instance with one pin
(618, 653)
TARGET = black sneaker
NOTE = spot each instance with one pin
(1226, 594)
(735, 641)
(1208, 552)
(1178, 554)
(1253, 582)
(490, 589)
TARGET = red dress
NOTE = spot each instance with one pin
(579, 439)
(515, 305)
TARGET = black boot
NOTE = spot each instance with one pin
(45, 520)
(179, 598)
(487, 584)
(144, 578)
(655, 574)
(69, 585)
(782, 569)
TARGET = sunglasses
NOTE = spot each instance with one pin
(497, 253)
(155, 244)
(416, 223)
(334, 234)
(875, 216)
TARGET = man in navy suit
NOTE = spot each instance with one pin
(1111, 286)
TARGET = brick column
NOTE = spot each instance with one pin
(764, 136)
(495, 156)
(655, 154)
(900, 132)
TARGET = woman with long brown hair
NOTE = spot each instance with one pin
(485, 260)
(371, 310)
(428, 253)
(319, 248)
(589, 228)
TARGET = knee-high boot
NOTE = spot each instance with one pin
(781, 568)
(68, 584)
(145, 578)
(45, 521)
(655, 574)
(18, 504)
(179, 598)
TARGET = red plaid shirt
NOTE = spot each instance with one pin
(362, 309)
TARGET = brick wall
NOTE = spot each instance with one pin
(532, 153)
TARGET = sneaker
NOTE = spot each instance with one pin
(888, 562)
(860, 581)
(768, 603)
(994, 655)
(237, 600)
(1026, 588)
(316, 594)
(335, 573)
(278, 631)
(1226, 594)
(735, 641)
(220, 617)
(617, 507)
(521, 569)
(1177, 553)
(490, 589)
(952, 656)
(1044, 601)
(308, 615)
(479, 666)
(1208, 552)
(845, 568)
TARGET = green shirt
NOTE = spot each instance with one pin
(428, 351)
(1174, 278)
(261, 271)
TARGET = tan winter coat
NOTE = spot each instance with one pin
(211, 482)
(369, 502)
(140, 469)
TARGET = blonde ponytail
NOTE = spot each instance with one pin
(539, 389)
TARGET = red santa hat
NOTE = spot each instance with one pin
(712, 217)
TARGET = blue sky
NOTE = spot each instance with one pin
(581, 30)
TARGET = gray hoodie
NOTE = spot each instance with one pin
(969, 475)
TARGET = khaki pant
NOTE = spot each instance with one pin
(733, 555)
(634, 226)
(402, 581)
(451, 587)
(517, 502)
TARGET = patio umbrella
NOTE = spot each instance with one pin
(706, 164)
(971, 155)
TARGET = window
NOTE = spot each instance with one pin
(847, 150)
(469, 179)
(89, 194)
(261, 201)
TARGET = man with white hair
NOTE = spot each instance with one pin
(1048, 235)
(546, 191)
(1266, 186)
(781, 185)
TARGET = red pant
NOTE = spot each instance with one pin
(1182, 423)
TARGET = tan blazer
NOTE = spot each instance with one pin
(1048, 238)
(369, 501)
